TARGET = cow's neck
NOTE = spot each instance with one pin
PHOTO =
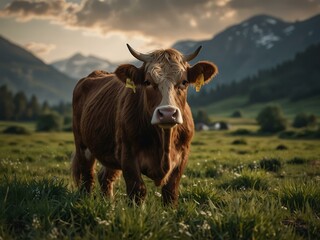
(166, 148)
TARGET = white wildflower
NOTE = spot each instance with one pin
(157, 194)
(54, 234)
(205, 226)
(36, 222)
(183, 229)
(203, 213)
(102, 222)
(236, 174)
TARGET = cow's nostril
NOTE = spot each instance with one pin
(175, 114)
(160, 113)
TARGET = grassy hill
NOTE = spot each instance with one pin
(226, 107)
(294, 85)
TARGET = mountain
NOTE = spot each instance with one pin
(295, 82)
(20, 70)
(79, 66)
(239, 51)
(257, 43)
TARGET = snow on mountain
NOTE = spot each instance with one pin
(268, 40)
(79, 66)
(257, 43)
(260, 30)
(289, 30)
(271, 21)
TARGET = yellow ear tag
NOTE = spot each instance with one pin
(130, 84)
(199, 82)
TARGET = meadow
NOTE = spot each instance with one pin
(237, 185)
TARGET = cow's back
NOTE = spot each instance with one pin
(94, 111)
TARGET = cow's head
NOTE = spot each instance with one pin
(165, 77)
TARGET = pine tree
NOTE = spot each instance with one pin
(6, 104)
(45, 107)
(33, 110)
(20, 103)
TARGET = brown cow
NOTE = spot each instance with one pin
(138, 121)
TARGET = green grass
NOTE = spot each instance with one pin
(234, 187)
(226, 107)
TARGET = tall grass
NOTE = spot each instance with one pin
(300, 195)
(247, 180)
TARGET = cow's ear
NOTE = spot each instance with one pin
(128, 71)
(201, 73)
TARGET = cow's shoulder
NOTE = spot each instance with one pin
(98, 73)
(91, 85)
(94, 81)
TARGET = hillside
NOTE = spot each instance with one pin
(291, 84)
(257, 43)
(22, 71)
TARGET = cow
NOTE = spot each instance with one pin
(136, 121)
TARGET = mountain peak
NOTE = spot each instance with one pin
(263, 18)
(77, 56)
(79, 65)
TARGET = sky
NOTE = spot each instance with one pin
(57, 29)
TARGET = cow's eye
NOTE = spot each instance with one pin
(184, 84)
(147, 83)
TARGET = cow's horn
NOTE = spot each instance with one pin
(191, 56)
(140, 56)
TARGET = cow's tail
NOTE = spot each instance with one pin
(75, 169)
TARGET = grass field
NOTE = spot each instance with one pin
(226, 107)
(234, 187)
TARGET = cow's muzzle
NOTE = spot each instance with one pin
(166, 116)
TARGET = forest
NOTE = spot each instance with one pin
(18, 107)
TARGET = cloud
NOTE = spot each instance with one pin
(287, 9)
(39, 49)
(25, 10)
(162, 21)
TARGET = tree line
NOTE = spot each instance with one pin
(18, 107)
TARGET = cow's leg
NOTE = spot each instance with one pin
(87, 171)
(83, 168)
(136, 189)
(106, 178)
(170, 191)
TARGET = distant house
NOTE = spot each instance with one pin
(202, 127)
(221, 125)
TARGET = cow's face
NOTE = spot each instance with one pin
(165, 77)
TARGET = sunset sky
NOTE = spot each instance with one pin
(56, 29)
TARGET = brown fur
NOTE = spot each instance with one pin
(113, 123)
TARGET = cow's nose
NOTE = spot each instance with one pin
(167, 116)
